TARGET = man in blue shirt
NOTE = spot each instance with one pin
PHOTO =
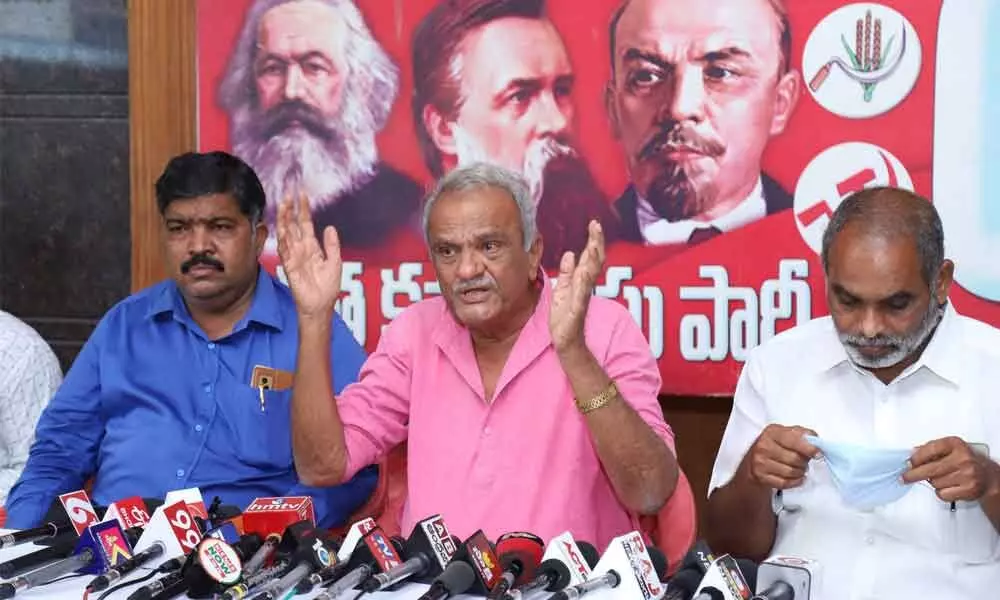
(187, 383)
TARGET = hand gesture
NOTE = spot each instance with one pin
(573, 290)
(313, 276)
(780, 456)
(952, 468)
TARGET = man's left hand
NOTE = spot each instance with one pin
(954, 469)
(573, 290)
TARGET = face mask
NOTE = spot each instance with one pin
(865, 477)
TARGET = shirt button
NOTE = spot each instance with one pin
(180, 473)
(870, 540)
(211, 346)
(208, 388)
(198, 427)
(486, 431)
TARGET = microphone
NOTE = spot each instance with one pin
(638, 570)
(354, 534)
(166, 584)
(457, 578)
(520, 554)
(694, 565)
(129, 512)
(102, 546)
(311, 556)
(217, 565)
(61, 547)
(552, 575)
(377, 553)
(609, 580)
(174, 526)
(249, 583)
(104, 580)
(786, 578)
(262, 555)
(26, 536)
(429, 548)
(733, 579)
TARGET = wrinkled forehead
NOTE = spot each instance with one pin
(687, 30)
(297, 28)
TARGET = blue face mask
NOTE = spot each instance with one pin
(866, 477)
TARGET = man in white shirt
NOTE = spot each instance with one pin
(30, 376)
(697, 91)
(894, 367)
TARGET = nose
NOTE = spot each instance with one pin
(871, 323)
(200, 242)
(553, 116)
(469, 266)
(686, 100)
(294, 84)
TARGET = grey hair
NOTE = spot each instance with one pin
(891, 212)
(479, 175)
(372, 72)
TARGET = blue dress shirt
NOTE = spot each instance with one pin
(152, 405)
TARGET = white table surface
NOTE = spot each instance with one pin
(73, 588)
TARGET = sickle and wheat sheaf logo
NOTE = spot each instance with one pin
(861, 60)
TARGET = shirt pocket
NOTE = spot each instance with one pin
(264, 436)
(965, 533)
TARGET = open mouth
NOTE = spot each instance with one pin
(474, 295)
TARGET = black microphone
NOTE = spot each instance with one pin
(26, 536)
(609, 580)
(148, 591)
(429, 549)
(374, 553)
(104, 580)
(551, 576)
(60, 548)
(311, 556)
(683, 584)
(457, 578)
(779, 590)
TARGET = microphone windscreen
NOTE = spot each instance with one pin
(685, 580)
(520, 553)
(589, 552)
(457, 578)
(749, 570)
(558, 572)
(659, 562)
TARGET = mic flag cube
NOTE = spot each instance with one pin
(627, 556)
(265, 516)
(109, 545)
(80, 510)
(564, 549)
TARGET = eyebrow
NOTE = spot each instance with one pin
(732, 52)
(312, 54)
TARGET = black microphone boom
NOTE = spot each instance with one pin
(457, 578)
(26, 536)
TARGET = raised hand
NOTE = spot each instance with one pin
(313, 273)
(780, 456)
(573, 290)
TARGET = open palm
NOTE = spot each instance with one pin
(573, 289)
(313, 274)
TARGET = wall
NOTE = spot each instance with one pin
(64, 159)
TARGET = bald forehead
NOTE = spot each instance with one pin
(690, 29)
(301, 27)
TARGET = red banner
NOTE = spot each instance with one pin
(768, 120)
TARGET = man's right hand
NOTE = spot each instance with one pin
(780, 456)
(313, 276)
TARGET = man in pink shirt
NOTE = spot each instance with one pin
(526, 406)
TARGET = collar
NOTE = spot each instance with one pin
(657, 230)
(455, 340)
(940, 355)
(265, 307)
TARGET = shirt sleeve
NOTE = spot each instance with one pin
(335, 504)
(632, 366)
(33, 380)
(375, 410)
(67, 439)
(746, 421)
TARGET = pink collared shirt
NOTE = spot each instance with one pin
(523, 462)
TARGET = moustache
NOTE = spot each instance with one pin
(201, 259)
(480, 283)
(879, 341)
(680, 136)
(280, 117)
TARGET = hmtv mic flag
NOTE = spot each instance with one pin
(713, 229)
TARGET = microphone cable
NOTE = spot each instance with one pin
(171, 565)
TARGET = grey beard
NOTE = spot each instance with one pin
(903, 346)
